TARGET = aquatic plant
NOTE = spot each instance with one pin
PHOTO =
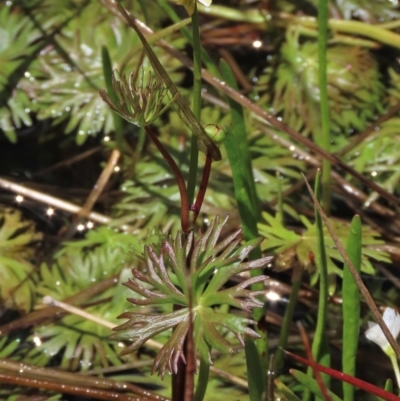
(126, 164)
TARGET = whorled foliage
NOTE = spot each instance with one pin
(190, 273)
(354, 87)
(139, 103)
(17, 255)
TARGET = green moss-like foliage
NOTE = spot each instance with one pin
(354, 87)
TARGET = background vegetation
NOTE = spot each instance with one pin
(88, 202)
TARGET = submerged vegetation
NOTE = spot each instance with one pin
(159, 238)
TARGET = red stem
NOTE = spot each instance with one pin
(203, 188)
(34, 382)
(346, 378)
(179, 179)
(318, 378)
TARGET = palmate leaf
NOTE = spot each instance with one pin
(376, 12)
(67, 88)
(289, 243)
(17, 240)
(378, 157)
(167, 280)
(355, 89)
(82, 344)
(17, 34)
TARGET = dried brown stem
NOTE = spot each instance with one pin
(66, 388)
(68, 162)
(100, 184)
(357, 278)
(63, 377)
(50, 200)
(53, 312)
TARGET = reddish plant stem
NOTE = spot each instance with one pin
(66, 388)
(318, 378)
(76, 379)
(346, 378)
(203, 188)
(179, 179)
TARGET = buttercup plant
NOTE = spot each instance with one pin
(140, 104)
(211, 265)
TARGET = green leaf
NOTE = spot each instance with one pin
(311, 385)
(351, 306)
(256, 379)
(166, 281)
(320, 345)
(280, 388)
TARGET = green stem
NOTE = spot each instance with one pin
(395, 364)
(194, 152)
(186, 33)
(108, 71)
(378, 32)
(287, 320)
(204, 371)
(238, 151)
(320, 349)
(325, 142)
(351, 307)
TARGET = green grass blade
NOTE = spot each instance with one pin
(388, 387)
(255, 376)
(186, 33)
(196, 96)
(245, 193)
(320, 346)
(240, 160)
(285, 391)
(351, 307)
(280, 213)
(144, 10)
(311, 385)
(202, 382)
(288, 318)
(325, 143)
(107, 71)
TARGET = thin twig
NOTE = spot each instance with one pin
(100, 184)
(47, 300)
(51, 200)
(65, 388)
(76, 379)
(151, 343)
(235, 67)
(68, 162)
(368, 299)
